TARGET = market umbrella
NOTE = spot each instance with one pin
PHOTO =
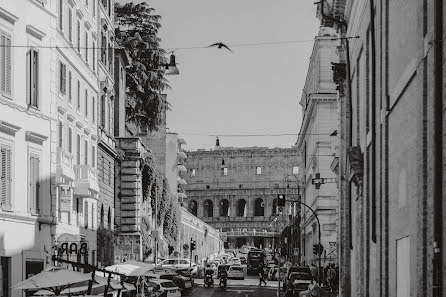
(54, 279)
(131, 268)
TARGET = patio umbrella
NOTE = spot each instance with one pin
(54, 279)
(131, 268)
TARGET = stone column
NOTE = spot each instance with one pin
(200, 207)
(216, 201)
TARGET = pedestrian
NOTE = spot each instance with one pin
(313, 270)
(313, 290)
(261, 275)
(331, 278)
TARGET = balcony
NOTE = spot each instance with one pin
(86, 183)
(64, 166)
(181, 181)
(181, 168)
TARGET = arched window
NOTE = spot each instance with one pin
(241, 208)
(224, 208)
(274, 210)
(193, 207)
(208, 209)
(259, 208)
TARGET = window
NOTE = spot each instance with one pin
(103, 48)
(208, 187)
(86, 102)
(86, 3)
(93, 109)
(103, 110)
(78, 152)
(79, 36)
(94, 7)
(70, 139)
(60, 134)
(192, 172)
(295, 170)
(32, 71)
(86, 46)
(63, 78)
(224, 171)
(34, 183)
(110, 58)
(61, 14)
(93, 156)
(5, 51)
(92, 216)
(259, 208)
(94, 54)
(70, 87)
(78, 95)
(86, 152)
(258, 170)
(86, 215)
(70, 25)
(6, 176)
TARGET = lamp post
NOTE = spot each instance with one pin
(293, 179)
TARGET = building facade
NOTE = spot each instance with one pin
(106, 142)
(235, 191)
(320, 120)
(27, 175)
(391, 146)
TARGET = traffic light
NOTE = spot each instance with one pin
(318, 249)
(315, 248)
(192, 244)
(280, 200)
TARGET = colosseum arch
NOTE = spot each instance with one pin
(208, 209)
(259, 207)
(241, 208)
(193, 207)
(224, 208)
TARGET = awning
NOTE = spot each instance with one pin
(182, 155)
(130, 268)
(181, 181)
(181, 168)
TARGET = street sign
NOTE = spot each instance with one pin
(332, 243)
(318, 181)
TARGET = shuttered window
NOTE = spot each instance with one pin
(60, 134)
(70, 86)
(61, 14)
(78, 151)
(63, 78)
(32, 77)
(86, 103)
(93, 156)
(86, 46)
(5, 176)
(93, 109)
(34, 183)
(86, 215)
(103, 111)
(86, 152)
(70, 25)
(70, 140)
(78, 95)
(79, 36)
(5, 64)
(94, 55)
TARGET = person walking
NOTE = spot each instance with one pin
(313, 290)
(313, 270)
(331, 278)
(261, 275)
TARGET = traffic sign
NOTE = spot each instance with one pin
(318, 181)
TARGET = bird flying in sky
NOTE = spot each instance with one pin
(221, 45)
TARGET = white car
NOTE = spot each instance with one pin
(236, 272)
(164, 285)
(179, 263)
(235, 261)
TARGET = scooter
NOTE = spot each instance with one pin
(209, 281)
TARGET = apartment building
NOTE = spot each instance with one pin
(26, 126)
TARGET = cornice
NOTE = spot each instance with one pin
(239, 192)
(35, 137)
(33, 31)
(7, 16)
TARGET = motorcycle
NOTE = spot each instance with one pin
(209, 281)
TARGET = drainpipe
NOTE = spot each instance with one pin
(438, 150)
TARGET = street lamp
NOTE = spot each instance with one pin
(290, 179)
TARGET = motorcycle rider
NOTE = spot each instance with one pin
(208, 274)
(222, 274)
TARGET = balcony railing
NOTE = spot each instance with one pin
(86, 180)
(242, 233)
(64, 161)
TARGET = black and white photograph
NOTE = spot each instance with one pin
(222, 148)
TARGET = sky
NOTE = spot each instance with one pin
(254, 89)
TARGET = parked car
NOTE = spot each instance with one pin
(164, 285)
(236, 272)
(272, 274)
(301, 269)
(180, 263)
(300, 280)
(181, 279)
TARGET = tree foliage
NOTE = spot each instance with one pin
(137, 28)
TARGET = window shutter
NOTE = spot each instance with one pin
(78, 95)
(86, 102)
(3, 64)
(93, 156)
(8, 66)
(93, 109)
(28, 77)
(5, 177)
(61, 14)
(79, 36)
(86, 215)
(32, 184)
(60, 134)
(34, 77)
(64, 78)
(70, 87)
(86, 152)
(103, 111)
(78, 153)
(70, 140)
(36, 183)
(70, 25)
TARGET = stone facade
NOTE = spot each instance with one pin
(320, 120)
(234, 189)
(390, 173)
